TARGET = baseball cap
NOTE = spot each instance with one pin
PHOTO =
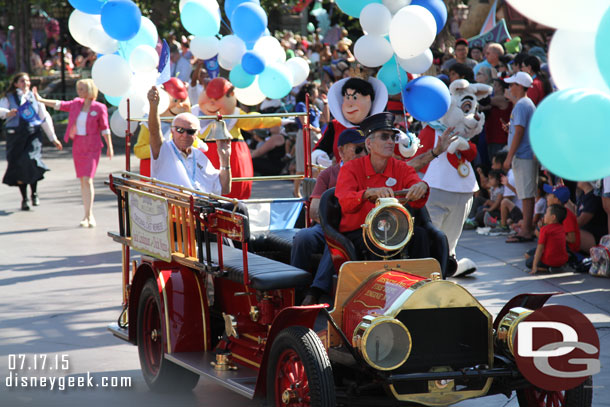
(176, 89)
(560, 191)
(351, 136)
(520, 78)
(218, 87)
(461, 41)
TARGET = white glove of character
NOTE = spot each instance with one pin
(459, 144)
(408, 144)
(319, 157)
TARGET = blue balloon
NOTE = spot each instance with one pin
(253, 62)
(602, 39)
(354, 7)
(427, 98)
(438, 10)
(113, 100)
(394, 79)
(231, 5)
(88, 6)
(121, 19)
(575, 147)
(199, 19)
(275, 81)
(249, 21)
(240, 78)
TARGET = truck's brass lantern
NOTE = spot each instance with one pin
(389, 226)
(507, 329)
(384, 342)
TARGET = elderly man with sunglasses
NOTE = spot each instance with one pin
(378, 175)
(177, 161)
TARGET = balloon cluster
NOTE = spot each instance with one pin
(569, 130)
(397, 37)
(256, 60)
(127, 61)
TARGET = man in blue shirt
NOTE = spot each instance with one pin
(520, 155)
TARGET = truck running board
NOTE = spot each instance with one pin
(121, 333)
(242, 380)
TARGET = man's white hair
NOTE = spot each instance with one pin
(186, 116)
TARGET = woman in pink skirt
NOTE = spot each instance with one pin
(86, 121)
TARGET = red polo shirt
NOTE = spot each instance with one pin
(356, 176)
(553, 237)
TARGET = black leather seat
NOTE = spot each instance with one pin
(330, 217)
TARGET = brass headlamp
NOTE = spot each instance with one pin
(388, 226)
(507, 329)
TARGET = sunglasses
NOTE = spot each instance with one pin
(359, 149)
(190, 132)
(387, 136)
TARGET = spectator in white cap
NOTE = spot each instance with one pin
(520, 155)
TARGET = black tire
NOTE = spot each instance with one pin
(160, 374)
(300, 349)
(580, 396)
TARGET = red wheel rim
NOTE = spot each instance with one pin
(291, 384)
(543, 398)
(153, 342)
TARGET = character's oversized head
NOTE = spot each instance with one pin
(218, 98)
(351, 100)
(178, 97)
(462, 113)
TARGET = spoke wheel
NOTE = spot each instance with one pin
(160, 374)
(299, 372)
(580, 396)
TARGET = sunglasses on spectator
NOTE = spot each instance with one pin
(181, 130)
(359, 149)
(386, 136)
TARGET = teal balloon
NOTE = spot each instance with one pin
(602, 44)
(569, 134)
(199, 19)
(310, 27)
(394, 79)
(113, 100)
(354, 7)
(275, 81)
(240, 78)
(88, 6)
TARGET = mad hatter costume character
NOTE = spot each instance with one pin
(350, 101)
(178, 103)
(450, 176)
(219, 98)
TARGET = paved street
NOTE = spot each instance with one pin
(61, 287)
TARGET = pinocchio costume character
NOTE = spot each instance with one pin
(178, 103)
(219, 98)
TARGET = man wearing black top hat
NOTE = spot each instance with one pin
(378, 175)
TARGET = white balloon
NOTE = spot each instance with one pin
(299, 69)
(138, 104)
(418, 64)
(568, 14)
(372, 50)
(143, 58)
(230, 50)
(412, 31)
(100, 42)
(112, 75)
(163, 100)
(395, 5)
(79, 25)
(204, 47)
(271, 48)
(250, 96)
(375, 19)
(572, 61)
(118, 125)
(225, 64)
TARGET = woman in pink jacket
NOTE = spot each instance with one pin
(86, 121)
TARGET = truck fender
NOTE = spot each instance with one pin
(530, 301)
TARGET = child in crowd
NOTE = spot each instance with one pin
(560, 195)
(541, 204)
(551, 250)
(510, 211)
(490, 207)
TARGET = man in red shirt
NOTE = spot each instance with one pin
(551, 250)
(362, 181)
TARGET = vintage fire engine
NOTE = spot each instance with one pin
(202, 300)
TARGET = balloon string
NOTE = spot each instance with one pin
(402, 98)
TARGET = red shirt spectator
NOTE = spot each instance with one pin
(570, 224)
(553, 237)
